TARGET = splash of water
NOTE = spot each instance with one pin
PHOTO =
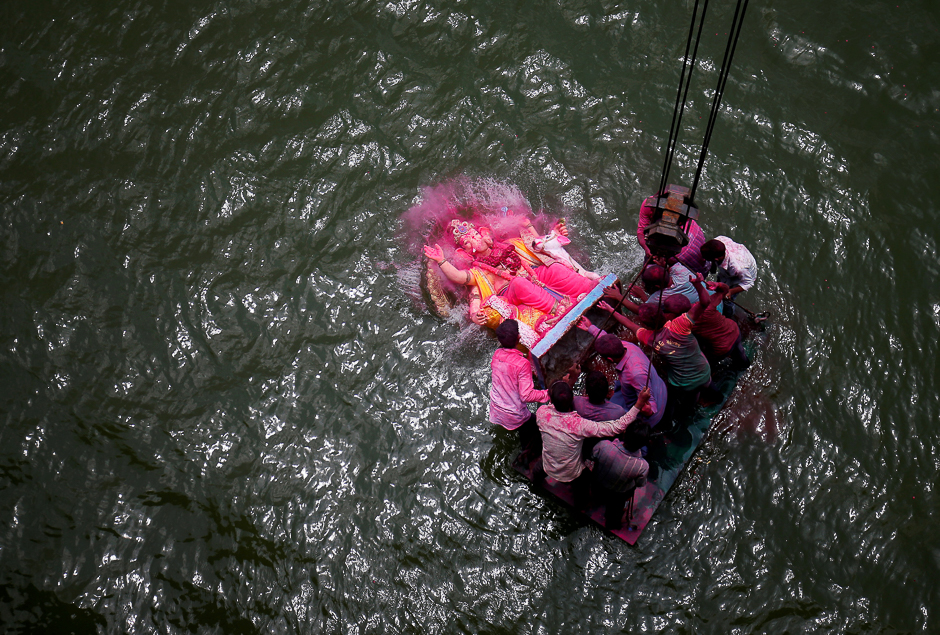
(482, 201)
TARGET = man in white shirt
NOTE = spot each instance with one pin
(735, 265)
(563, 434)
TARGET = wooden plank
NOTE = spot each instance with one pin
(571, 317)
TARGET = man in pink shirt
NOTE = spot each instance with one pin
(512, 389)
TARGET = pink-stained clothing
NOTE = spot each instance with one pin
(563, 435)
(690, 255)
(738, 269)
(521, 292)
(512, 388)
(560, 278)
(716, 334)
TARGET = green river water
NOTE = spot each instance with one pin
(225, 409)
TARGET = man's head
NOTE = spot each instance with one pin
(562, 396)
(610, 347)
(508, 334)
(676, 305)
(713, 251)
(651, 316)
(636, 436)
(655, 278)
(596, 386)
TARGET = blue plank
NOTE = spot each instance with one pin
(571, 317)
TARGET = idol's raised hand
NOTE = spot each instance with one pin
(434, 253)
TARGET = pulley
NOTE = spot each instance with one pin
(672, 210)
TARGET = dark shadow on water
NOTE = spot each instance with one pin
(27, 609)
(495, 464)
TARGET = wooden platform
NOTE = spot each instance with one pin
(668, 454)
(563, 344)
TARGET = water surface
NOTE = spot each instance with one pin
(225, 410)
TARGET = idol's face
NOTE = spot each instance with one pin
(473, 242)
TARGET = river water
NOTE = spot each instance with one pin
(226, 410)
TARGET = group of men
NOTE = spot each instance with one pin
(595, 443)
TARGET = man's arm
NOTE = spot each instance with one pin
(703, 296)
(633, 326)
(615, 427)
(526, 388)
(613, 295)
(637, 468)
(638, 292)
(705, 301)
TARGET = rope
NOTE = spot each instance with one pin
(662, 292)
(733, 36)
(679, 108)
(590, 347)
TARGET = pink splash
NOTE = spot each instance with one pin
(484, 202)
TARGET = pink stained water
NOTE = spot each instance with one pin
(484, 202)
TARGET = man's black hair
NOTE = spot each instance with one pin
(596, 386)
(508, 334)
(654, 278)
(636, 436)
(562, 396)
(676, 304)
(712, 250)
(609, 346)
(651, 316)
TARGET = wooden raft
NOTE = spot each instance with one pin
(668, 455)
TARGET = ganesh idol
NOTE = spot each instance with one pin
(529, 278)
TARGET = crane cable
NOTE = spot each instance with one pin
(685, 80)
(682, 94)
(681, 98)
(733, 36)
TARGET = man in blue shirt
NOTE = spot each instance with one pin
(633, 366)
(595, 405)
